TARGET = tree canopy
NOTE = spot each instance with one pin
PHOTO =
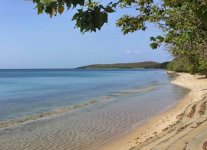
(90, 15)
(183, 22)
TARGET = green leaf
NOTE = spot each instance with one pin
(60, 9)
(109, 9)
(154, 45)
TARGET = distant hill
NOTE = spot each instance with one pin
(145, 65)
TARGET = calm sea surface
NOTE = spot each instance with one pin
(98, 105)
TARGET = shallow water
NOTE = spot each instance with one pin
(121, 100)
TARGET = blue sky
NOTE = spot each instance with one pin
(28, 40)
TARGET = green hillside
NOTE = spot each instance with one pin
(145, 65)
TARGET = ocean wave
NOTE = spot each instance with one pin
(134, 91)
(59, 111)
(44, 115)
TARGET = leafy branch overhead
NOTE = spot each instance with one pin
(90, 16)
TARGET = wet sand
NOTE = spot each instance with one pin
(87, 126)
(113, 116)
(182, 127)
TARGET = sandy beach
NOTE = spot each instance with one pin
(182, 127)
(125, 99)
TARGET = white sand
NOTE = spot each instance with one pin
(182, 127)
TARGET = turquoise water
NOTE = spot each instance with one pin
(107, 103)
(27, 92)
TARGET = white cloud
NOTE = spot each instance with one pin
(133, 52)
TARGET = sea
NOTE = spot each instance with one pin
(79, 109)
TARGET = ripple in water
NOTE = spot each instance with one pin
(90, 126)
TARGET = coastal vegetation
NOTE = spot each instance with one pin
(145, 65)
(183, 22)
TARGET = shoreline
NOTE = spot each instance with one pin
(12, 123)
(164, 130)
